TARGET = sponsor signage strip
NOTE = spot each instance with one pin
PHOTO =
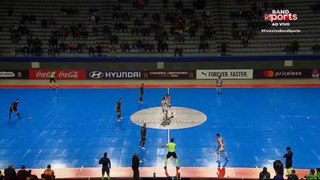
(14, 74)
(225, 73)
(282, 73)
(60, 74)
(95, 74)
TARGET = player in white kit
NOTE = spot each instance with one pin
(219, 82)
(221, 148)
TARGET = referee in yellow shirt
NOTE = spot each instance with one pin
(172, 153)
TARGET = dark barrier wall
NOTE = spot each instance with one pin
(126, 64)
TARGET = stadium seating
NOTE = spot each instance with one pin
(25, 28)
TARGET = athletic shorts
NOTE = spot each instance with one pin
(221, 149)
(288, 165)
(13, 109)
(172, 154)
(105, 170)
(52, 79)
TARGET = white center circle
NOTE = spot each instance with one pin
(178, 118)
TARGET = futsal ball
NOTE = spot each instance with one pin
(30, 117)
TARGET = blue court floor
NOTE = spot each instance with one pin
(74, 127)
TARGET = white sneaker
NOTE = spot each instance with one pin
(143, 148)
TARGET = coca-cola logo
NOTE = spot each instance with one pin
(59, 74)
(41, 74)
(68, 75)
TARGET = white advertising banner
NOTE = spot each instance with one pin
(225, 73)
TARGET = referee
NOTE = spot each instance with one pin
(172, 153)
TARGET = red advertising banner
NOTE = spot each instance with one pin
(60, 74)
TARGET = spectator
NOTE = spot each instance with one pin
(48, 174)
(318, 173)
(293, 175)
(99, 50)
(113, 49)
(178, 4)
(10, 173)
(44, 23)
(10, 11)
(316, 7)
(1, 175)
(266, 5)
(91, 51)
(278, 168)
(264, 174)
(145, 16)
(295, 47)
(204, 45)
(62, 47)
(52, 22)
(125, 47)
(22, 173)
(178, 51)
(106, 29)
(316, 49)
(31, 176)
(164, 5)
(311, 175)
(223, 49)
(245, 41)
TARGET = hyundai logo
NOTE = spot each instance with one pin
(96, 74)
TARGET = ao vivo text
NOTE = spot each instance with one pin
(280, 24)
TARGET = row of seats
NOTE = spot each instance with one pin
(150, 28)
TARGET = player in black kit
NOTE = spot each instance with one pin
(14, 108)
(118, 109)
(106, 165)
(143, 136)
(141, 94)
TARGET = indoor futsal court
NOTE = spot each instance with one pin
(72, 128)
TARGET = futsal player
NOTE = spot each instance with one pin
(143, 136)
(219, 82)
(164, 104)
(106, 165)
(14, 108)
(168, 99)
(141, 94)
(221, 148)
(171, 153)
(118, 109)
(53, 78)
(288, 157)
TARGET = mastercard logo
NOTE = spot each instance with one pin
(268, 74)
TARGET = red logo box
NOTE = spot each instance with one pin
(60, 74)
